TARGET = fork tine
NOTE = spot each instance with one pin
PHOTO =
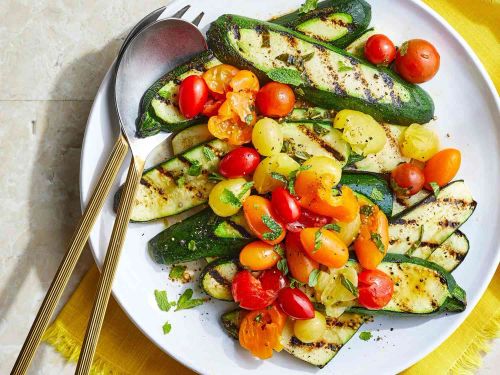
(198, 18)
(181, 12)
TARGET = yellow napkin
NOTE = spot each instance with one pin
(124, 349)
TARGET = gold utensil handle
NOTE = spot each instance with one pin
(68, 263)
(110, 262)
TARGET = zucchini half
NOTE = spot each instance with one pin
(326, 76)
(217, 276)
(337, 22)
(338, 332)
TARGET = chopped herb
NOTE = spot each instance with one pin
(258, 318)
(215, 177)
(293, 175)
(192, 245)
(435, 188)
(249, 119)
(279, 177)
(346, 283)
(313, 278)
(294, 283)
(209, 154)
(286, 75)
(286, 146)
(354, 158)
(417, 243)
(333, 226)
(181, 181)
(314, 113)
(377, 240)
(308, 6)
(302, 155)
(317, 240)
(279, 250)
(293, 60)
(343, 67)
(366, 210)
(167, 327)
(365, 335)
(376, 194)
(320, 129)
(282, 265)
(187, 302)
(194, 169)
(162, 300)
(244, 189)
(275, 228)
(177, 272)
(228, 197)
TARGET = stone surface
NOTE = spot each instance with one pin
(54, 54)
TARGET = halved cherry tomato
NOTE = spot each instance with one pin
(295, 303)
(219, 77)
(262, 220)
(442, 167)
(285, 205)
(211, 107)
(193, 94)
(243, 104)
(373, 239)
(260, 331)
(249, 293)
(299, 264)
(239, 162)
(258, 256)
(375, 289)
(379, 49)
(275, 99)
(326, 247)
(245, 80)
(308, 219)
(230, 129)
(273, 279)
(407, 179)
(417, 61)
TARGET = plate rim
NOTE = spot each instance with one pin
(447, 332)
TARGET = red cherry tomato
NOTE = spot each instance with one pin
(417, 61)
(273, 279)
(193, 94)
(375, 289)
(295, 304)
(240, 162)
(249, 292)
(211, 107)
(275, 99)
(285, 205)
(379, 49)
(308, 219)
(407, 179)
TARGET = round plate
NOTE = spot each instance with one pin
(467, 110)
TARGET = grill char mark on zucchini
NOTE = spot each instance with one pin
(217, 277)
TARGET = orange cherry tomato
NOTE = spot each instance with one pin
(259, 256)
(245, 80)
(262, 221)
(373, 239)
(299, 264)
(442, 167)
(260, 331)
(230, 129)
(243, 104)
(219, 77)
(275, 99)
(326, 248)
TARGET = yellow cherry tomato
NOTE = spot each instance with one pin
(310, 330)
(280, 163)
(419, 143)
(267, 137)
(221, 198)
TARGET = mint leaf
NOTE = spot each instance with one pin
(313, 278)
(215, 177)
(275, 228)
(167, 327)
(320, 129)
(187, 302)
(177, 272)
(286, 75)
(194, 169)
(246, 186)
(279, 177)
(294, 283)
(435, 188)
(346, 283)
(162, 300)
(333, 226)
(209, 154)
(366, 210)
(377, 240)
(192, 245)
(279, 250)
(228, 197)
(343, 67)
(282, 265)
(293, 176)
(376, 194)
(308, 6)
(365, 336)
(317, 240)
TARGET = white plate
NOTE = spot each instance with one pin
(467, 109)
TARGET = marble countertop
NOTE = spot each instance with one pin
(53, 56)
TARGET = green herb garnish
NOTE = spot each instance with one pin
(194, 169)
(274, 227)
(346, 283)
(215, 177)
(317, 240)
(192, 245)
(279, 177)
(313, 278)
(162, 300)
(376, 194)
(366, 210)
(228, 197)
(249, 119)
(308, 6)
(209, 154)
(365, 335)
(244, 189)
(282, 265)
(258, 318)
(187, 302)
(377, 240)
(279, 250)
(302, 155)
(181, 181)
(343, 67)
(435, 188)
(333, 226)
(167, 327)
(177, 272)
(286, 75)
(320, 129)
(294, 283)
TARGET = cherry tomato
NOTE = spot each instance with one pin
(442, 167)
(249, 293)
(258, 256)
(211, 107)
(308, 219)
(239, 162)
(245, 80)
(243, 104)
(379, 49)
(193, 94)
(407, 179)
(262, 220)
(299, 264)
(373, 238)
(230, 129)
(285, 205)
(295, 303)
(273, 279)
(417, 61)
(275, 99)
(326, 248)
(219, 77)
(375, 289)
(260, 331)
